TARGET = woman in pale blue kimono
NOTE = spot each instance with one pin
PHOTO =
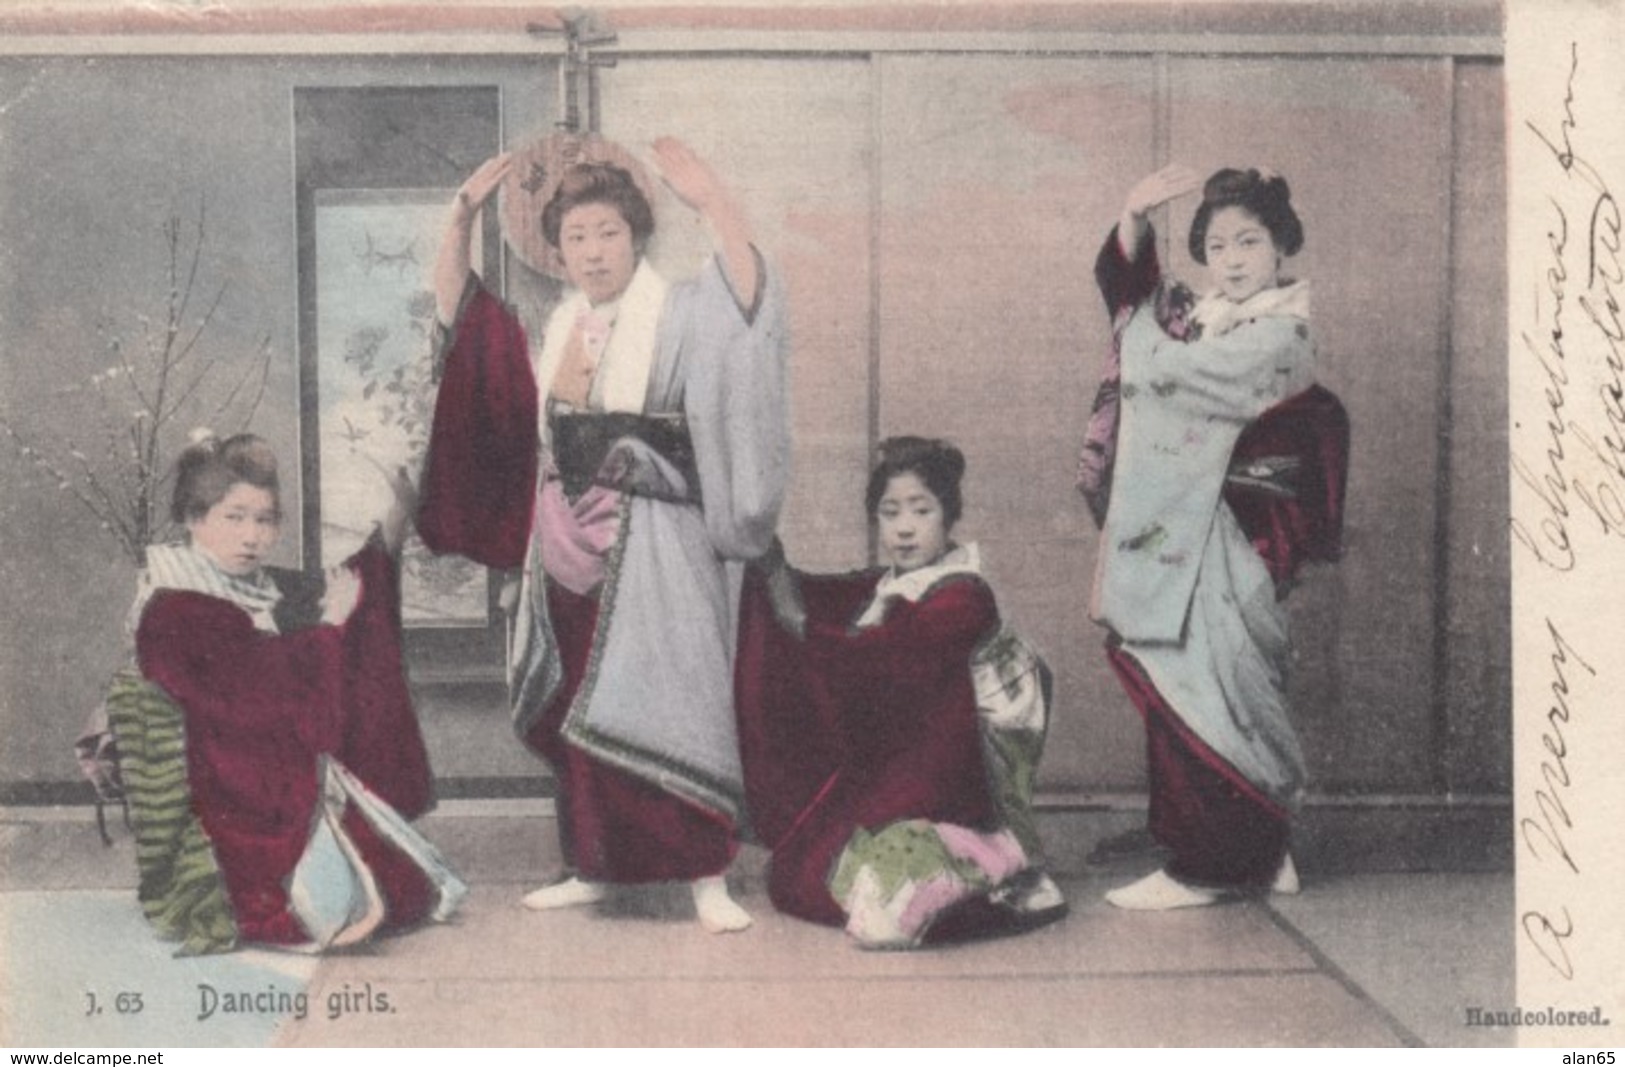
(1190, 573)
(627, 466)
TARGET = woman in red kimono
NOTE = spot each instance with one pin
(1216, 467)
(302, 754)
(892, 748)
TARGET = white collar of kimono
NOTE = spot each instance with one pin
(630, 354)
(1218, 315)
(911, 585)
(186, 569)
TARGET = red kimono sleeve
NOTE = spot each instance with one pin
(1302, 521)
(379, 738)
(261, 707)
(791, 739)
(232, 678)
(1126, 284)
(915, 643)
(909, 705)
(479, 480)
(888, 715)
(258, 709)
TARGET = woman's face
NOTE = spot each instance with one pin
(913, 532)
(239, 531)
(1241, 253)
(595, 243)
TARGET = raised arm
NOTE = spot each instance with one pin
(693, 181)
(1127, 270)
(452, 263)
(479, 477)
(1149, 193)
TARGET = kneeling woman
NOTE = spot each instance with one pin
(911, 724)
(269, 743)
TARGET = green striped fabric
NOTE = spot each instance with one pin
(181, 890)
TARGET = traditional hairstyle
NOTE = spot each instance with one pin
(938, 464)
(1266, 198)
(208, 468)
(600, 183)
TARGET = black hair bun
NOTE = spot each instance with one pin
(1263, 194)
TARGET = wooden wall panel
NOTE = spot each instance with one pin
(1478, 676)
(999, 179)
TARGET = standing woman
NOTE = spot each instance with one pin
(1198, 631)
(627, 465)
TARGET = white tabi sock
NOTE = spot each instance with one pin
(570, 893)
(717, 911)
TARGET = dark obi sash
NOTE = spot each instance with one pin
(645, 455)
(1287, 478)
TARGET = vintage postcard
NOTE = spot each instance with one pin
(839, 522)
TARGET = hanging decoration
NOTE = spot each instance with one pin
(539, 164)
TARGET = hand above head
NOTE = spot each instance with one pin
(341, 595)
(480, 186)
(1155, 189)
(693, 182)
(1151, 192)
(451, 263)
(687, 175)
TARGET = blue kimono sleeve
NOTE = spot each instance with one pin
(736, 396)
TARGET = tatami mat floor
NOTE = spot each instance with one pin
(1356, 959)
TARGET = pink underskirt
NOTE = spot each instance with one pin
(576, 538)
